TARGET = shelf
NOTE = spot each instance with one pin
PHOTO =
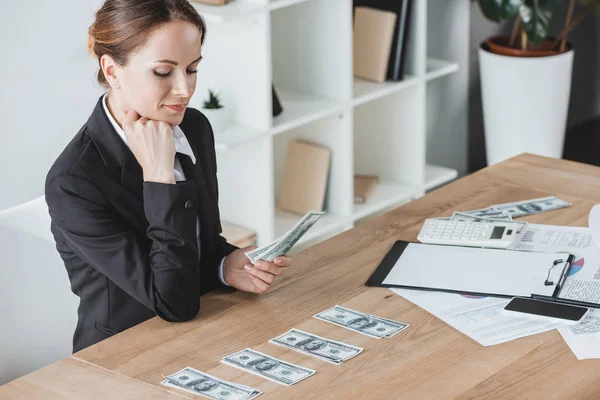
(236, 135)
(300, 108)
(276, 4)
(365, 91)
(436, 176)
(235, 9)
(437, 68)
(238, 9)
(385, 194)
(284, 221)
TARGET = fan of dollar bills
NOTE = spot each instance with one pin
(508, 211)
(282, 245)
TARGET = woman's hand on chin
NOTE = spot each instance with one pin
(240, 273)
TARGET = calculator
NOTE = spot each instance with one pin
(493, 234)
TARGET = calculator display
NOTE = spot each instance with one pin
(497, 232)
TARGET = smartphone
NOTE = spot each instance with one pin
(546, 309)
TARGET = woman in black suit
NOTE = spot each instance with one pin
(134, 197)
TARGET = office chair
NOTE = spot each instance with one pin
(38, 311)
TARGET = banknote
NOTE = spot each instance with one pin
(317, 346)
(284, 243)
(458, 216)
(268, 367)
(225, 393)
(534, 206)
(357, 321)
(489, 213)
(200, 383)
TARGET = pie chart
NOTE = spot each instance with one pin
(577, 266)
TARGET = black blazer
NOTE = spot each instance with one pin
(129, 246)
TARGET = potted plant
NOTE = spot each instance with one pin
(215, 112)
(526, 78)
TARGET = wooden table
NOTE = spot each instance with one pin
(428, 360)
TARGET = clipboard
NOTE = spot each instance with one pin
(475, 271)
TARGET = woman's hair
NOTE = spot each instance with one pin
(123, 26)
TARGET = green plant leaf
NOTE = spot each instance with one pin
(536, 16)
(499, 10)
(213, 101)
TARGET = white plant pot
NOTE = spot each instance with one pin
(525, 103)
(218, 118)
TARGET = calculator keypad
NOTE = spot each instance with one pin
(479, 234)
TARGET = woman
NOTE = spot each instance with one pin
(134, 197)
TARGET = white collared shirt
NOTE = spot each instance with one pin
(182, 146)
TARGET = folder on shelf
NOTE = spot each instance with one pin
(372, 42)
(403, 10)
(304, 180)
(476, 271)
(363, 187)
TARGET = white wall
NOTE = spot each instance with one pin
(48, 88)
(447, 98)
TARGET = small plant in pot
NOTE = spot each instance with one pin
(216, 113)
(526, 77)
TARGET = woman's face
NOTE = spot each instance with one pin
(162, 73)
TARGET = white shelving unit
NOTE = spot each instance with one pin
(304, 47)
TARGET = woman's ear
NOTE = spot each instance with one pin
(111, 70)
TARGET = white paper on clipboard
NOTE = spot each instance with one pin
(489, 271)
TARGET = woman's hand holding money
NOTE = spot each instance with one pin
(255, 278)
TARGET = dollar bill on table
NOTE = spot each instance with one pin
(317, 346)
(458, 216)
(534, 206)
(489, 213)
(193, 381)
(268, 367)
(282, 245)
(357, 321)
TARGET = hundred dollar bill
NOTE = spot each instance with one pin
(268, 367)
(194, 381)
(251, 396)
(316, 346)
(392, 322)
(489, 213)
(534, 206)
(357, 321)
(458, 216)
(282, 245)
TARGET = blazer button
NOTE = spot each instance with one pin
(189, 204)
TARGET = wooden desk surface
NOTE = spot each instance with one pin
(428, 360)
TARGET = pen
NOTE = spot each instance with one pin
(563, 276)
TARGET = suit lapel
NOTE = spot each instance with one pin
(114, 152)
